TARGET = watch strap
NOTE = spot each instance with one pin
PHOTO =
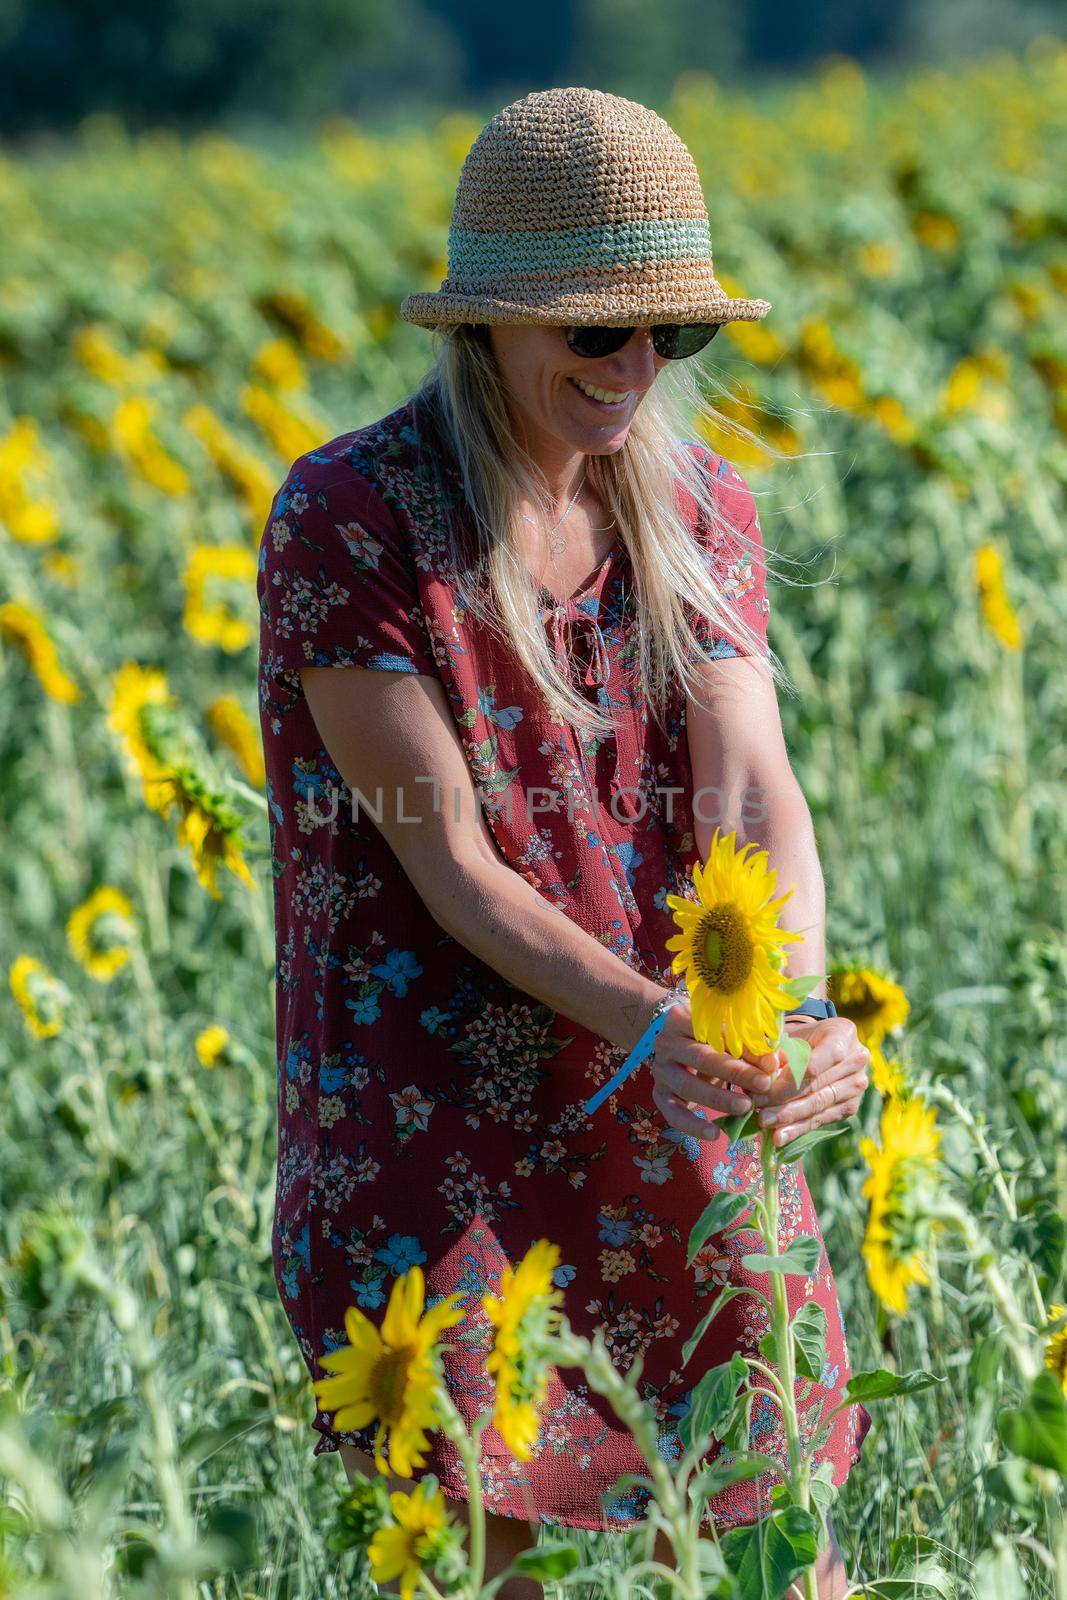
(820, 1009)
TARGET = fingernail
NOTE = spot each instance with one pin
(762, 1081)
(742, 1104)
(759, 1099)
(769, 1118)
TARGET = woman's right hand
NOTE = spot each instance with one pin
(685, 1070)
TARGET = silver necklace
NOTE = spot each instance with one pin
(557, 546)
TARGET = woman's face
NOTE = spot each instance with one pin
(547, 383)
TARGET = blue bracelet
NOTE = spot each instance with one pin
(641, 1049)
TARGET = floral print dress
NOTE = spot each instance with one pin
(429, 1110)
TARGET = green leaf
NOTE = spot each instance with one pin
(882, 1385)
(809, 1331)
(1038, 1430)
(720, 1211)
(800, 1259)
(800, 988)
(725, 1295)
(713, 1399)
(933, 1584)
(742, 1125)
(713, 1479)
(807, 1141)
(1012, 1481)
(1039, 1236)
(547, 1561)
(997, 1571)
(203, 1443)
(766, 1556)
(797, 1053)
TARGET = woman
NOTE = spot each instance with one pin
(551, 614)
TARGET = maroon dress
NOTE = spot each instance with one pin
(430, 1111)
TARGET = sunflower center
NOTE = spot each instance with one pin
(388, 1382)
(723, 948)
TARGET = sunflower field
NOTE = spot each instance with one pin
(180, 318)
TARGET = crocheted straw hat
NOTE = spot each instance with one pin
(576, 207)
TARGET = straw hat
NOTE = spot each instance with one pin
(575, 206)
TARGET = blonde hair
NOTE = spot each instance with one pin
(466, 396)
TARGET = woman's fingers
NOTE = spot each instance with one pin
(677, 1115)
(833, 1103)
(715, 1066)
(677, 1080)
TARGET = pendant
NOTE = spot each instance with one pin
(557, 544)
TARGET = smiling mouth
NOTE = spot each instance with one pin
(605, 399)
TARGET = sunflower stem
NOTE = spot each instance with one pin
(603, 1377)
(1019, 1334)
(941, 1092)
(800, 1469)
(453, 1425)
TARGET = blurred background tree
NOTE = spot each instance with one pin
(209, 62)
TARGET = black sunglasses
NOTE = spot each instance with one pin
(671, 340)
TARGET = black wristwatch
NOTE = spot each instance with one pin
(820, 1009)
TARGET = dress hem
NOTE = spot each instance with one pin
(330, 1442)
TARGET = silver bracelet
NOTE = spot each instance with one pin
(668, 998)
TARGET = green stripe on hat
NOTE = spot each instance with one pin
(476, 254)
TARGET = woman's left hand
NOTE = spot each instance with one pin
(832, 1086)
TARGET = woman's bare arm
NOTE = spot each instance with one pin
(394, 731)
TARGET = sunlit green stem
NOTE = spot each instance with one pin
(941, 1092)
(469, 1447)
(1019, 1336)
(145, 1361)
(783, 1341)
(604, 1379)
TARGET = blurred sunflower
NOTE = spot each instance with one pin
(25, 628)
(210, 1044)
(175, 774)
(888, 1077)
(404, 1548)
(100, 932)
(901, 1188)
(232, 726)
(525, 1315)
(731, 949)
(217, 583)
(1056, 1349)
(208, 832)
(42, 997)
(388, 1374)
(135, 689)
(872, 1001)
(997, 609)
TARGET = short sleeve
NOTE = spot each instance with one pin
(337, 584)
(737, 561)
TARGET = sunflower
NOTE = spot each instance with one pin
(388, 1374)
(42, 997)
(406, 1546)
(233, 727)
(901, 1187)
(100, 932)
(135, 690)
(1056, 1350)
(525, 1316)
(730, 949)
(888, 1077)
(211, 1043)
(208, 833)
(997, 609)
(872, 1001)
(217, 580)
(26, 629)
